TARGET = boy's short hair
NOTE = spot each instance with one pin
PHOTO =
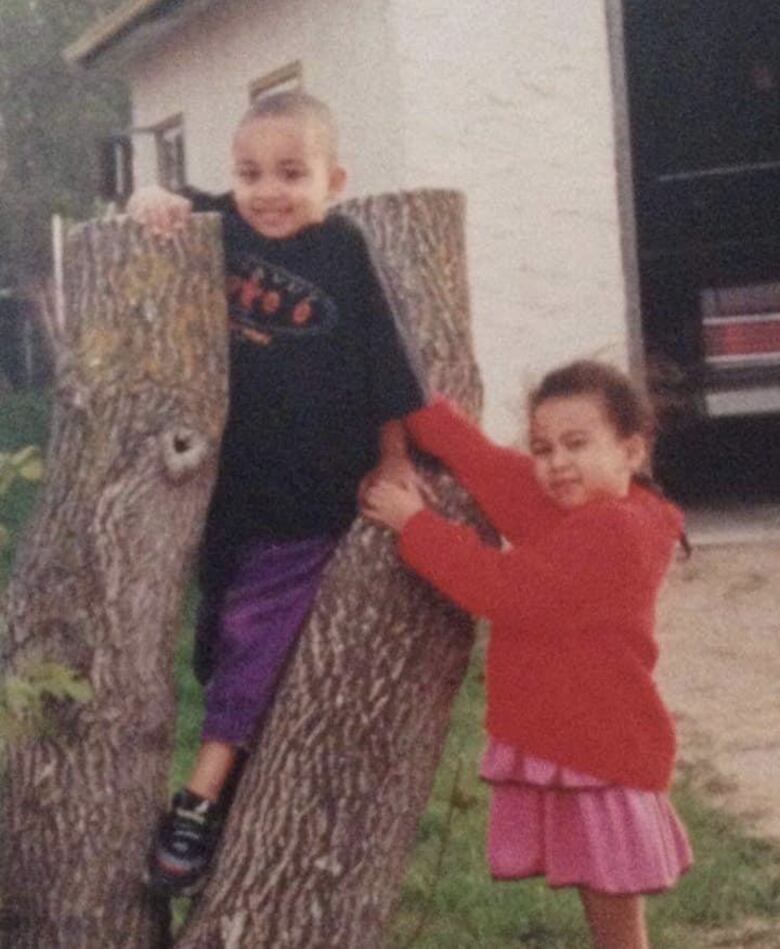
(295, 104)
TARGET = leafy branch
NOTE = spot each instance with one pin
(26, 697)
(25, 464)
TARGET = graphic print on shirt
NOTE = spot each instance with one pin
(265, 301)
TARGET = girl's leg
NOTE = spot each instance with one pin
(213, 766)
(616, 922)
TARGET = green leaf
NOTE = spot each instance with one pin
(28, 463)
(7, 476)
(23, 697)
(24, 455)
(59, 681)
(32, 470)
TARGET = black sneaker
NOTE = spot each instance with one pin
(184, 845)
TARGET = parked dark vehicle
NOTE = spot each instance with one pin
(704, 88)
(704, 100)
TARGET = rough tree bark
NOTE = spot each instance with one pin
(140, 403)
(323, 823)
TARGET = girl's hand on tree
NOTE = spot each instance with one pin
(161, 211)
(392, 504)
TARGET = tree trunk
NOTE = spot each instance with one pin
(140, 404)
(318, 838)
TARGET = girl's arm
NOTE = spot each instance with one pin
(588, 570)
(453, 559)
(500, 479)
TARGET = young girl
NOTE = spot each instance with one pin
(581, 748)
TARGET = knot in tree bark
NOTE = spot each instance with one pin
(183, 451)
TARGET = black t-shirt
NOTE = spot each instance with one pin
(317, 366)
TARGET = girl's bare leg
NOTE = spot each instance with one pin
(213, 765)
(616, 922)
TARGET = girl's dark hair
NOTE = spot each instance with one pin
(627, 408)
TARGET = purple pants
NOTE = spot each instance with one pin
(254, 629)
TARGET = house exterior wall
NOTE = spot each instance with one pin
(518, 113)
(205, 72)
(509, 101)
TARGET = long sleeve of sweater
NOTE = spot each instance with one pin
(591, 565)
(500, 479)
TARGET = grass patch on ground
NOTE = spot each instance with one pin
(447, 888)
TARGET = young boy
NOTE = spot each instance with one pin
(319, 379)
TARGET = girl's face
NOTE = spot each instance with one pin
(578, 454)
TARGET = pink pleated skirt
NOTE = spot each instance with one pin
(576, 830)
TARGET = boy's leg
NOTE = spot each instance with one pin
(615, 921)
(184, 844)
(213, 766)
(261, 617)
(188, 833)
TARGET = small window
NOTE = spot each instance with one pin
(169, 141)
(286, 78)
(116, 167)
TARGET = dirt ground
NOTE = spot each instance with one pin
(719, 627)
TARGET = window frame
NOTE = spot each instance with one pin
(178, 178)
(289, 76)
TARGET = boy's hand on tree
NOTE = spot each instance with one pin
(397, 469)
(392, 504)
(161, 211)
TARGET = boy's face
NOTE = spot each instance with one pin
(283, 175)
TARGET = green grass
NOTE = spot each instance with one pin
(447, 887)
(189, 697)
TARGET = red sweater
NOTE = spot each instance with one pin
(571, 602)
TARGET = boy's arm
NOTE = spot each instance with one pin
(500, 479)
(394, 462)
(397, 381)
(165, 212)
(162, 212)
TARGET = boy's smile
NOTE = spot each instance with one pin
(284, 177)
(578, 454)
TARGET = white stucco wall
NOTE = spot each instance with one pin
(507, 100)
(510, 100)
(205, 73)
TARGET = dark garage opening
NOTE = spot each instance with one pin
(704, 102)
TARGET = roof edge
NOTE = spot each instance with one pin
(108, 29)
